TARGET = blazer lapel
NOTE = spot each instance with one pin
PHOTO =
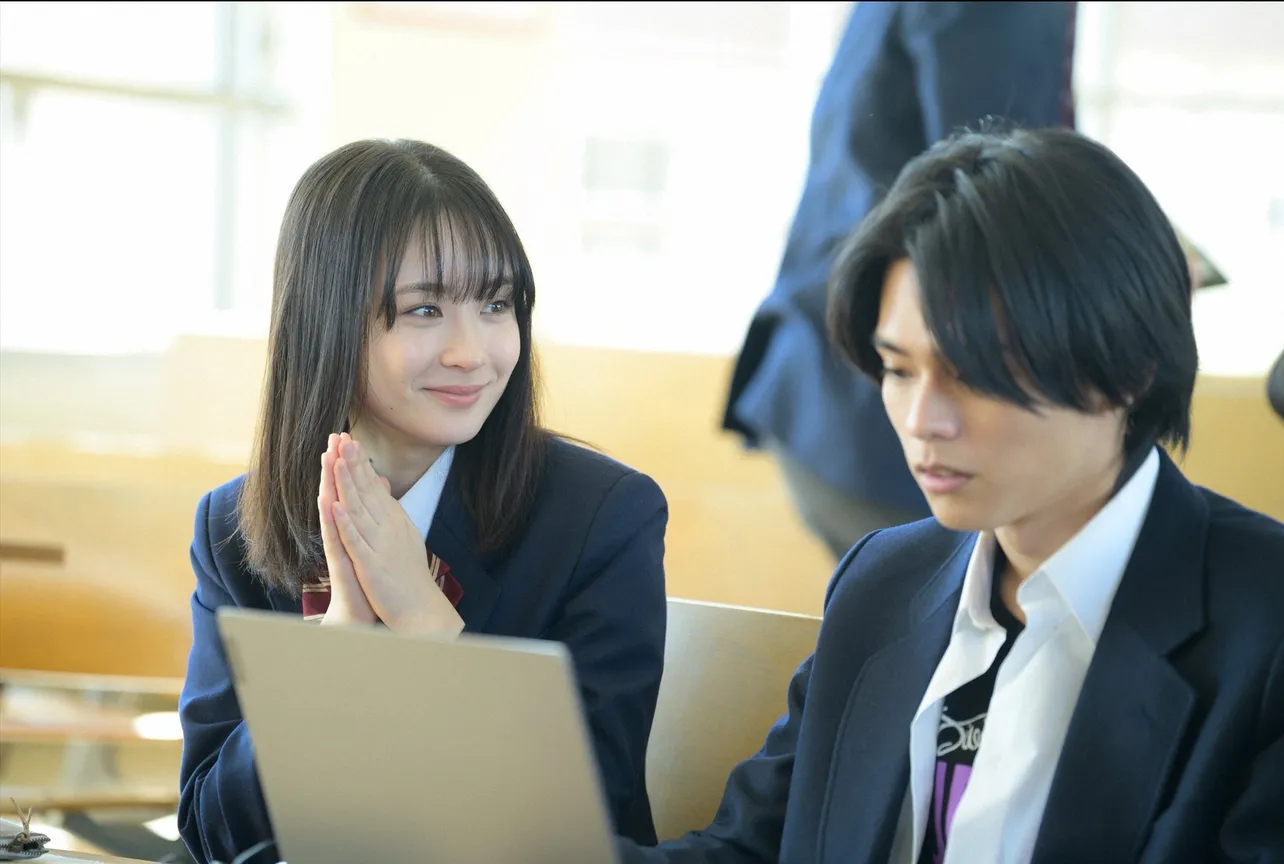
(1134, 708)
(870, 771)
(453, 539)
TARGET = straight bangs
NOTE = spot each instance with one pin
(471, 253)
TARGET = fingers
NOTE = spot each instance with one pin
(373, 491)
(348, 601)
(352, 539)
(354, 503)
(327, 497)
(329, 533)
(367, 481)
(335, 555)
(345, 593)
(326, 488)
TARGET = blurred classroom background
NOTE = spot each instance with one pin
(651, 155)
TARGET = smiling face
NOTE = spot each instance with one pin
(984, 463)
(434, 376)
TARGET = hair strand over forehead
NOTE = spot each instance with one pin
(1045, 264)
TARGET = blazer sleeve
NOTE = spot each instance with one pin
(613, 623)
(975, 60)
(221, 812)
(749, 823)
(1254, 830)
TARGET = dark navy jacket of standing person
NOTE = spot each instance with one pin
(587, 572)
(893, 89)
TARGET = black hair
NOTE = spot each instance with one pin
(1047, 270)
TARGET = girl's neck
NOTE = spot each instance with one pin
(402, 463)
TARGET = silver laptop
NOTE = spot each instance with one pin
(374, 746)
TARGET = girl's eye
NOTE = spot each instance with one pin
(497, 307)
(425, 311)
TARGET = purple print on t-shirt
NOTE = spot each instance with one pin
(954, 779)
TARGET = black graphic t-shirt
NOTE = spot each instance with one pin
(959, 737)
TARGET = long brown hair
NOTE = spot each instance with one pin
(346, 226)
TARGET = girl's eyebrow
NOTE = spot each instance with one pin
(434, 291)
(431, 289)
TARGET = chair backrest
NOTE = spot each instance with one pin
(726, 673)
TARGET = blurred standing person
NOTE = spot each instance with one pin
(904, 76)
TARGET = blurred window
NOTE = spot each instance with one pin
(1191, 95)
(146, 150)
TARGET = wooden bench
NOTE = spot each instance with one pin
(40, 708)
(43, 707)
(41, 800)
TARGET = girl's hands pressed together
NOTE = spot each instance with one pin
(348, 603)
(387, 552)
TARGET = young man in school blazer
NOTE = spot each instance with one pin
(1081, 657)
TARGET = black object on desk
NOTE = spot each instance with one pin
(21, 843)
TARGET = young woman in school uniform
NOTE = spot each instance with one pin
(400, 476)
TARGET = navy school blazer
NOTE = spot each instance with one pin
(1175, 752)
(588, 571)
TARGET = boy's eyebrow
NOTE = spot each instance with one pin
(883, 345)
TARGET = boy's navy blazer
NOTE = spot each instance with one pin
(587, 571)
(1175, 752)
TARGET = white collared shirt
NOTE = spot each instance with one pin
(1065, 603)
(421, 500)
